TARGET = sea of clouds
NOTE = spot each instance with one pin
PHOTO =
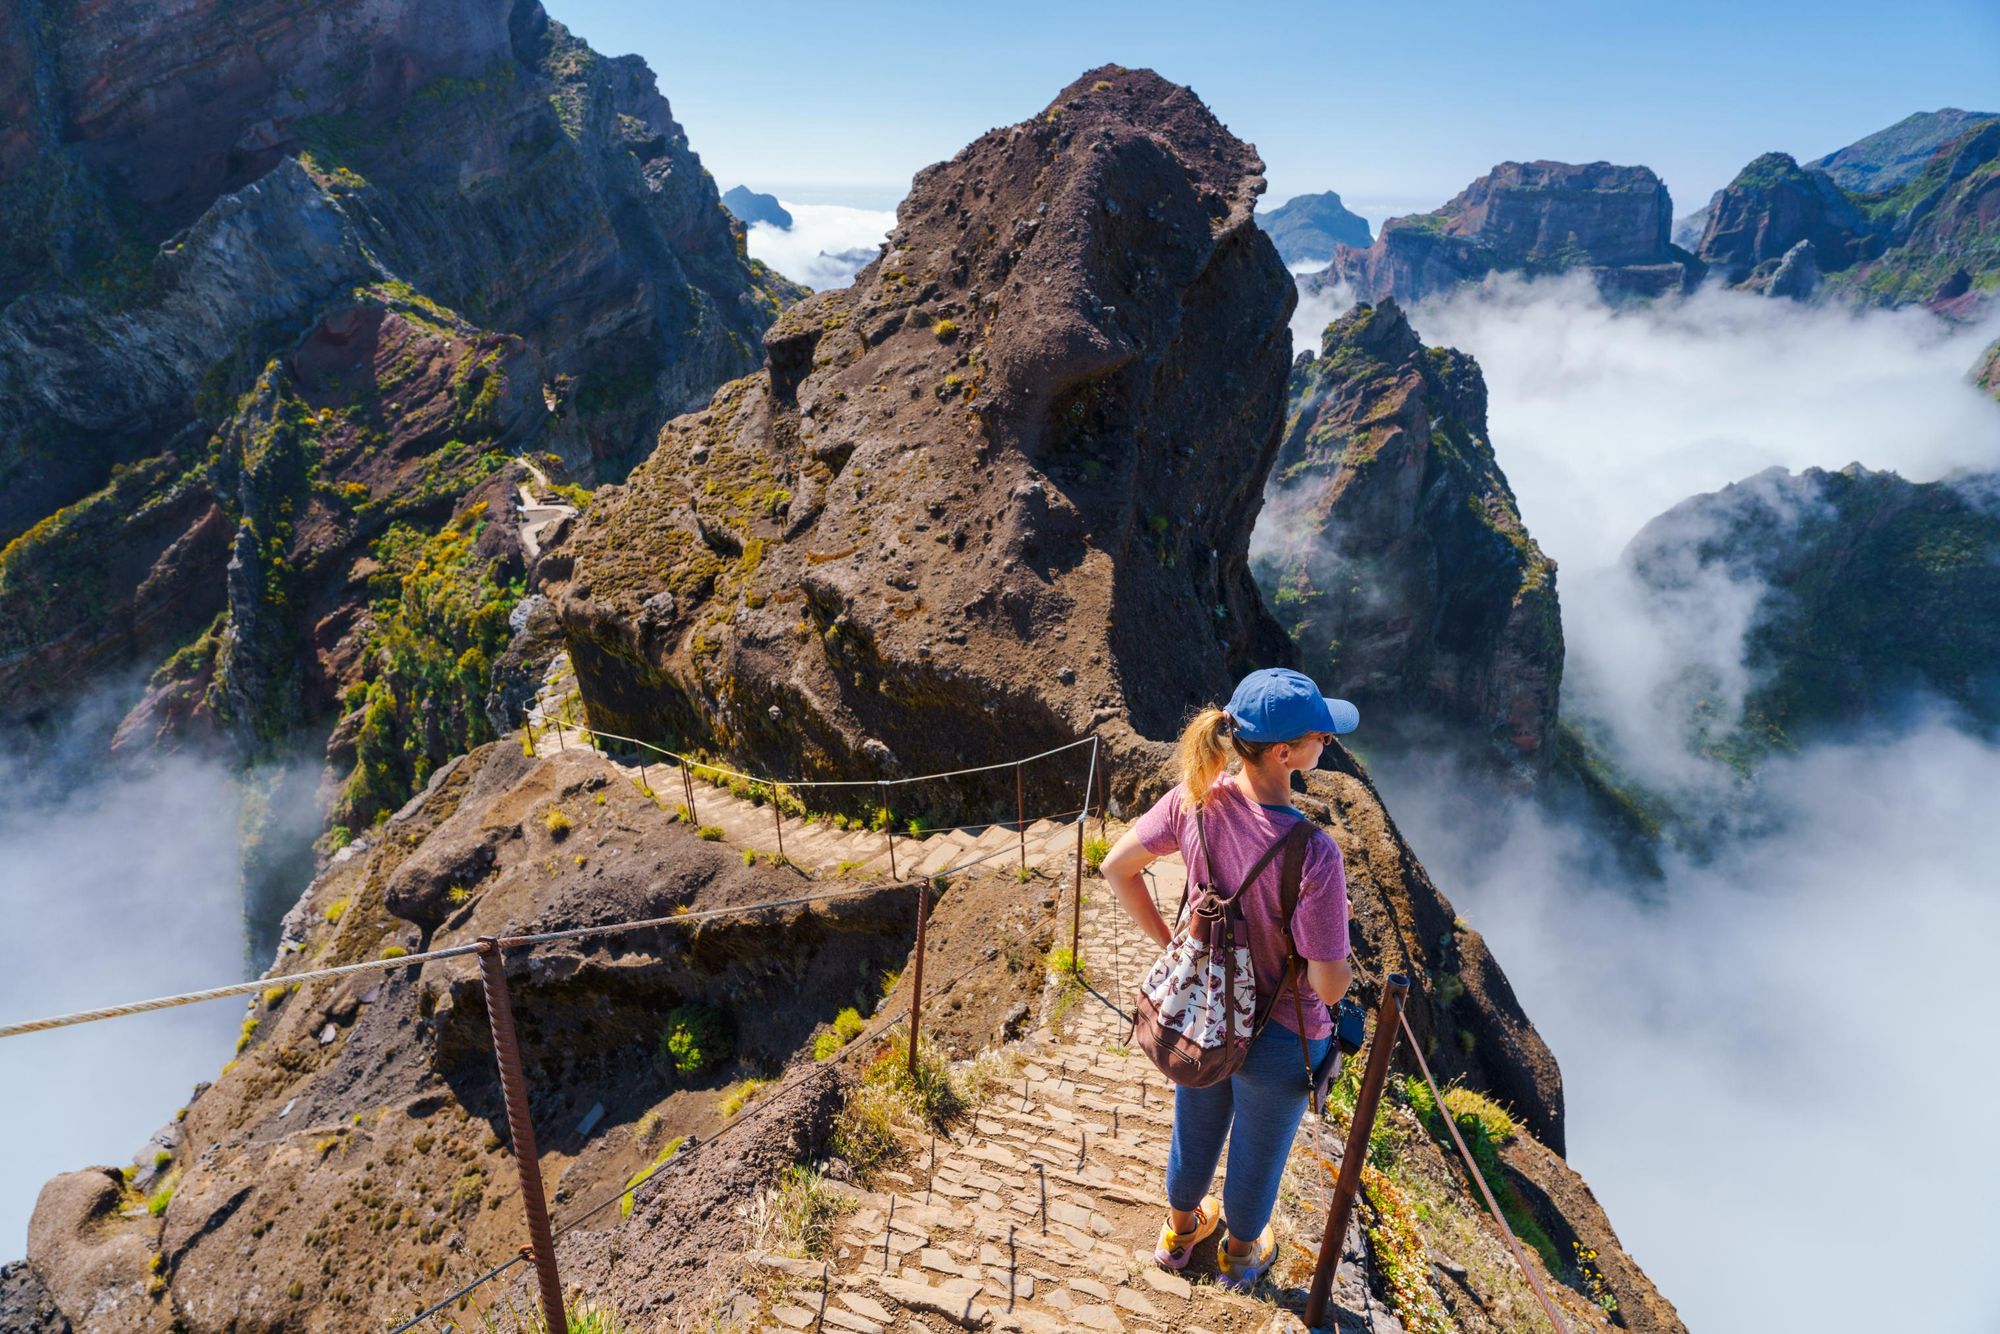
(1770, 1055)
(826, 245)
(121, 881)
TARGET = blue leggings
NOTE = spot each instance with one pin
(1265, 1098)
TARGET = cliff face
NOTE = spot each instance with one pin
(995, 493)
(1395, 555)
(1308, 228)
(285, 283)
(1530, 218)
(1877, 589)
(1931, 237)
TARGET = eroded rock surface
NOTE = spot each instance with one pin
(997, 492)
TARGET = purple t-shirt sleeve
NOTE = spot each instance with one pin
(1159, 829)
(1319, 926)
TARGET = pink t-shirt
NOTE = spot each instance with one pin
(1239, 830)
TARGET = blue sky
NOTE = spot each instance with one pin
(1397, 106)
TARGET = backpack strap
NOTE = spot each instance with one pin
(1289, 878)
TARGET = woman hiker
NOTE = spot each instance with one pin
(1276, 722)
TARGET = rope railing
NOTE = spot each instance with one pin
(1479, 1178)
(499, 1003)
(696, 762)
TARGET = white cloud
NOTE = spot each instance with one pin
(1768, 1057)
(826, 245)
(118, 884)
(1315, 311)
(1770, 1060)
(1604, 417)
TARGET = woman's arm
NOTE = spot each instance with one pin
(1122, 865)
(1330, 978)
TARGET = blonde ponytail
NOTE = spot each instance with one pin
(1203, 754)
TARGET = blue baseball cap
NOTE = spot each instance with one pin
(1279, 704)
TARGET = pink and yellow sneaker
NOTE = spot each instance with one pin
(1175, 1247)
(1239, 1273)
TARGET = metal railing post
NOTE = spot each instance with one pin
(528, 724)
(1021, 815)
(687, 786)
(917, 973)
(889, 823)
(521, 1129)
(778, 815)
(1388, 1020)
(1076, 907)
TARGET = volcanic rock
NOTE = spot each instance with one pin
(1529, 218)
(1392, 549)
(1032, 434)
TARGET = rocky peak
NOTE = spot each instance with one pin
(1306, 228)
(1531, 218)
(970, 494)
(1773, 205)
(1392, 549)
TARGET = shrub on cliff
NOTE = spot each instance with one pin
(437, 631)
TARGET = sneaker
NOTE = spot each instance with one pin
(1239, 1273)
(1174, 1248)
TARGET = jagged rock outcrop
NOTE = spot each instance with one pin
(1877, 592)
(840, 569)
(1528, 218)
(1392, 551)
(748, 206)
(192, 199)
(1307, 228)
(994, 494)
(1931, 236)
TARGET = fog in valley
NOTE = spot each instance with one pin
(826, 245)
(1769, 1054)
(121, 883)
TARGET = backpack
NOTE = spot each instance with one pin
(1198, 1008)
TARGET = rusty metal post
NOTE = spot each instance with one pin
(778, 816)
(1388, 1020)
(560, 743)
(917, 972)
(889, 823)
(521, 1129)
(687, 785)
(528, 725)
(1104, 797)
(1021, 815)
(1076, 907)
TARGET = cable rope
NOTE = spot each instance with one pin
(693, 763)
(1479, 1179)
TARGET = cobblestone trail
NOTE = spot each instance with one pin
(1041, 1211)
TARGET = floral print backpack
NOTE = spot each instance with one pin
(1198, 1008)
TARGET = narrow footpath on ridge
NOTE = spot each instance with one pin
(1041, 1206)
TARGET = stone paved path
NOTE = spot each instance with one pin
(1039, 1212)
